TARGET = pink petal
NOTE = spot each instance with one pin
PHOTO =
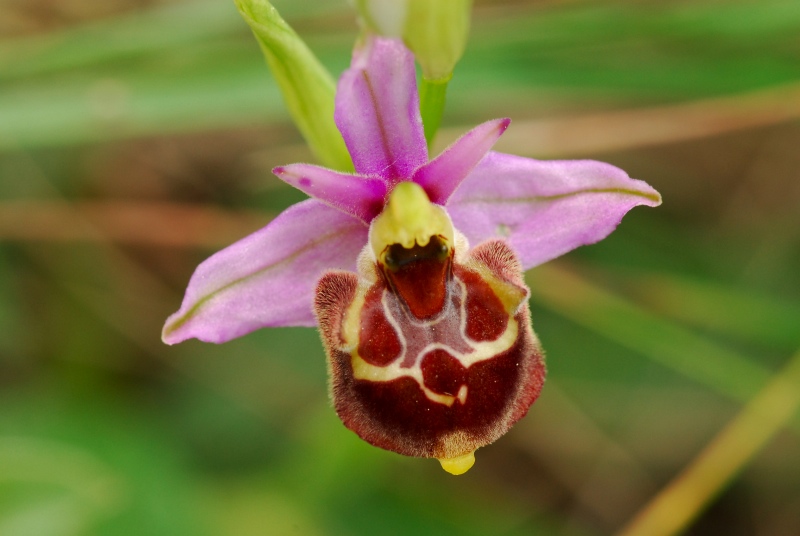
(377, 111)
(441, 176)
(545, 208)
(267, 278)
(356, 195)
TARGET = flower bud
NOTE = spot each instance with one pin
(435, 30)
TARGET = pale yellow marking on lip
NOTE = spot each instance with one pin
(509, 295)
(351, 327)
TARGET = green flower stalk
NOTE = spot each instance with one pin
(307, 87)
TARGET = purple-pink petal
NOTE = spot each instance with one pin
(545, 208)
(377, 111)
(267, 278)
(359, 196)
(441, 176)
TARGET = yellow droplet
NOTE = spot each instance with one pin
(458, 465)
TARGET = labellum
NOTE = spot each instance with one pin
(430, 347)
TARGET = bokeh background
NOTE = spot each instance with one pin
(137, 137)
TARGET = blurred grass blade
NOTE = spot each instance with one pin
(673, 509)
(307, 87)
(656, 125)
(117, 106)
(739, 313)
(701, 48)
(670, 345)
(183, 68)
(65, 489)
(159, 223)
(159, 29)
(146, 31)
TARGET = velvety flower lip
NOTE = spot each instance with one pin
(542, 208)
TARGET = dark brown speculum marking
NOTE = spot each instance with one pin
(430, 356)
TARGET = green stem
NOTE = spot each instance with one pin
(431, 105)
(689, 493)
(307, 86)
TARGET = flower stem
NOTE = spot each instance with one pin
(431, 105)
(673, 509)
(307, 86)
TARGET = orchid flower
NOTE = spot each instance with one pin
(429, 342)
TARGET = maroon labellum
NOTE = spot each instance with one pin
(430, 347)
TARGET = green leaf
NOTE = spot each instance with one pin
(307, 87)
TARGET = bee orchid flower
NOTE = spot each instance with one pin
(412, 268)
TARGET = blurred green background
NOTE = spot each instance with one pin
(137, 137)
